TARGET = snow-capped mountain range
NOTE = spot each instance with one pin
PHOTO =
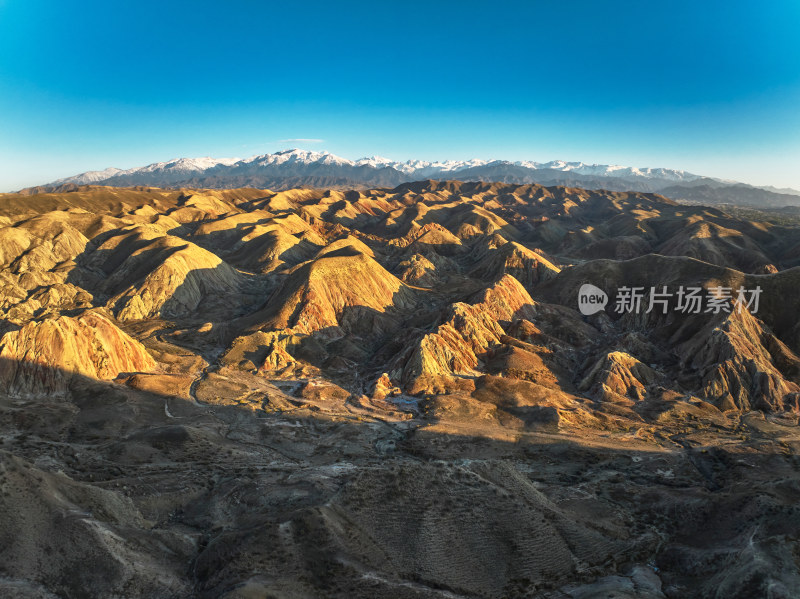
(304, 168)
(412, 168)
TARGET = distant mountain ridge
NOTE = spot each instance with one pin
(305, 168)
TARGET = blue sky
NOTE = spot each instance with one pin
(711, 87)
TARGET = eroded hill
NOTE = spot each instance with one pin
(392, 392)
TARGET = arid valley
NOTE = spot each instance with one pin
(391, 392)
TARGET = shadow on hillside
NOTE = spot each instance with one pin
(365, 342)
(336, 503)
(256, 254)
(218, 293)
(779, 301)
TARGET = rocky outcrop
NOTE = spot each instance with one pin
(40, 243)
(278, 353)
(618, 376)
(418, 270)
(384, 387)
(259, 241)
(716, 244)
(41, 357)
(155, 276)
(517, 360)
(525, 265)
(336, 293)
(346, 245)
(434, 237)
(455, 349)
(743, 365)
(53, 298)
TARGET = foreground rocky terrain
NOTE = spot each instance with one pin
(392, 392)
